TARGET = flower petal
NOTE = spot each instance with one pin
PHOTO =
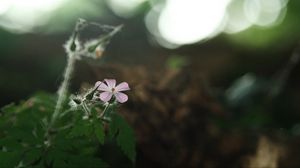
(97, 84)
(122, 87)
(111, 83)
(121, 97)
(103, 87)
(105, 96)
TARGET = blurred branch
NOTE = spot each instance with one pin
(281, 77)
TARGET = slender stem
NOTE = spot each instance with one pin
(63, 89)
(105, 120)
(104, 111)
(65, 127)
(106, 38)
(65, 113)
(86, 109)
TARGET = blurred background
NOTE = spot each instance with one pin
(213, 82)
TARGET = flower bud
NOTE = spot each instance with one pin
(73, 46)
(94, 49)
(75, 101)
(90, 94)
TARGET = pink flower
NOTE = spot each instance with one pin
(110, 89)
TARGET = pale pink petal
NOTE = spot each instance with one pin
(111, 83)
(121, 97)
(105, 96)
(122, 87)
(104, 87)
(97, 84)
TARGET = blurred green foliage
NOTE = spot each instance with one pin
(25, 140)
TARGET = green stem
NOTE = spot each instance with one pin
(104, 111)
(63, 89)
(86, 109)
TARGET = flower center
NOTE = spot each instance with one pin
(113, 89)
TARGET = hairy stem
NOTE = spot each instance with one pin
(86, 109)
(104, 111)
(63, 89)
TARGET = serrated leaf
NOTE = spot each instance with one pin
(76, 132)
(125, 136)
(99, 131)
(81, 128)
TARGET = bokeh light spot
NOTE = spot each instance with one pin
(190, 21)
(23, 15)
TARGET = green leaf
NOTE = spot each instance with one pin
(47, 100)
(124, 136)
(56, 158)
(85, 161)
(9, 159)
(76, 131)
(10, 108)
(99, 131)
(10, 143)
(40, 165)
(79, 129)
(76, 145)
(25, 135)
(32, 156)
